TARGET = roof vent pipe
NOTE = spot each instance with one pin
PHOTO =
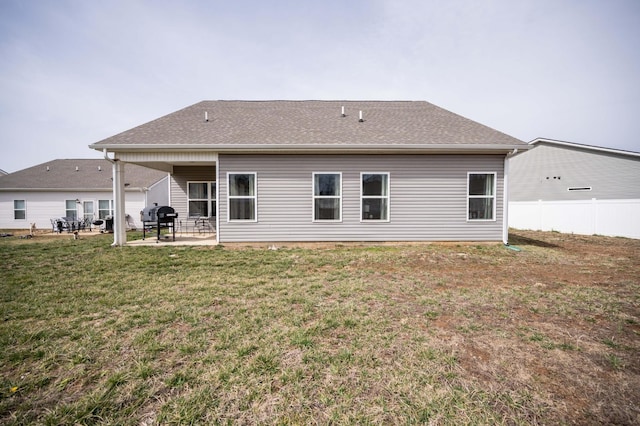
(99, 168)
(47, 168)
(206, 116)
(343, 114)
(76, 168)
(361, 119)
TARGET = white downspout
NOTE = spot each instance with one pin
(119, 231)
(505, 202)
(169, 189)
(218, 198)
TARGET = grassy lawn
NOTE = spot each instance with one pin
(441, 334)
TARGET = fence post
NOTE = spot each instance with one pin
(594, 207)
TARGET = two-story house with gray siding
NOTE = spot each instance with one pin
(570, 187)
(326, 170)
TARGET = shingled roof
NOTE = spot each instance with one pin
(300, 125)
(77, 175)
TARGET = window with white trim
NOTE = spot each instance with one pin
(374, 196)
(105, 208)
(71, 209)
(241, 196)
(19, 209)
(213, 199)
(327, 197)
(481, 196)
(201, 197)
(87, 210)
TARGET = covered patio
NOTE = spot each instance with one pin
(190, 229)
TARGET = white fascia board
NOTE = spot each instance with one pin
(583, 146)
(326, 149)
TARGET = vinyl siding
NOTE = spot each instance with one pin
(428, 198)
(182, 175)
(43, 206)
(547, 171)
(158, 193)
(166, 157)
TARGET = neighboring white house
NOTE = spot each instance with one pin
(326, 170)
(80, 188)
(575, 188)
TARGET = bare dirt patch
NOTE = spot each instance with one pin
(558, 322)
(560, 319)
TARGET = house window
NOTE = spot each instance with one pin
(374, 196)
(19, 209)
(241, 196)
(327, 196)
(71, 209)
(481, 196)
(201, 199)
(213, 200)
(87, 208)
(105, 208)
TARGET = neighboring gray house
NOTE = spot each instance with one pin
(80, 188)
(326, 170)
(569, 187)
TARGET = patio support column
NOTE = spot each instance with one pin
(119, 231)
(505, 202)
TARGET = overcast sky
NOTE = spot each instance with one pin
(75, 72)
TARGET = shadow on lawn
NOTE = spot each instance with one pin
(518, 239)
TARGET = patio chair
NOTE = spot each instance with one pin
(203, 225)
(59, 225)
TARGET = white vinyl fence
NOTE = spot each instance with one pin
(616, 218)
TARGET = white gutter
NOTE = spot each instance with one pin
(218, 199)
(319, 148)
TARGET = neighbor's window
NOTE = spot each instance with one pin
(105, 208)
(481, 199)
(375, 196)
(241, 195)
(327, 196)
(19, 209)
(87, 208)
(201, 198)
(71, 209)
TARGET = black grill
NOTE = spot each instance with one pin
(158, 217)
